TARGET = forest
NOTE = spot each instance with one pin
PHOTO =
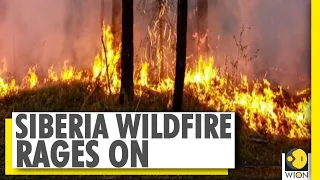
(174, 68)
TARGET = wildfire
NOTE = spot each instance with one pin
(32, 78)
(143, 81)
(263, 108)
(52, 75)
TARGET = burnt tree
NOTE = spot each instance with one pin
(116, 25)
(73, 21)
(126, 91)
(102, 16)
(181, 54)
(202, 25)
(161, 37)
(162, 9)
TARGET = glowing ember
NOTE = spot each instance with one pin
(262, 107)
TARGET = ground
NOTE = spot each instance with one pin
(258, 156)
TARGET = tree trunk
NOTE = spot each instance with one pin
(181, 54)
(127, 91)
(102, 16)
(202, 21)
(116, 25)
(71, 29)
(161, 24)
(192, 48)
(101, 22)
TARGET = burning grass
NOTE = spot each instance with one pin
(68, 96)
(265, 108)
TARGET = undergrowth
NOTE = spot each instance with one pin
(251, 147)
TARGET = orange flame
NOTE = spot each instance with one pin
(261, 106)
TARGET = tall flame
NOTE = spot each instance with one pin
(261, 106)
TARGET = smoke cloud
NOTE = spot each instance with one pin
(280, 29)
(49, 32)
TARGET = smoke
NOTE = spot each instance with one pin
(49, 32)
(280, 29)
(45, 33)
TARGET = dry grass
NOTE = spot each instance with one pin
(69, 97)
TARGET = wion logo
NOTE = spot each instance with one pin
(296, 164)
